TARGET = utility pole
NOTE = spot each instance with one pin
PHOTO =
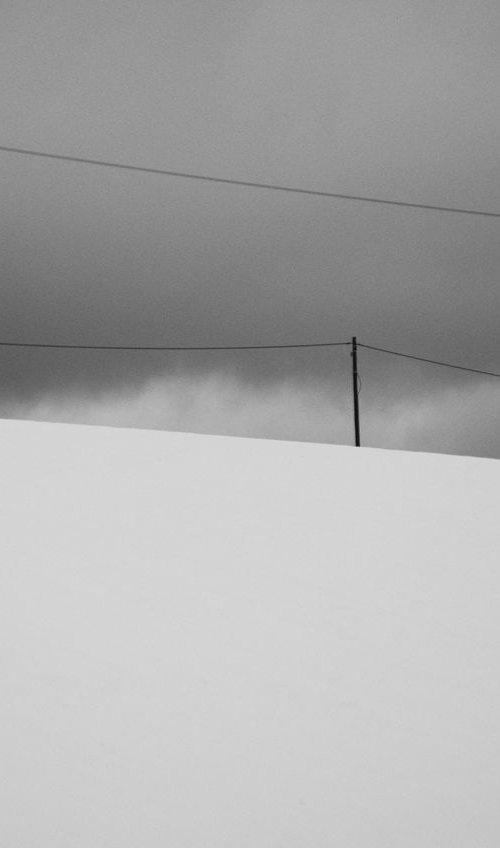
(355, 389)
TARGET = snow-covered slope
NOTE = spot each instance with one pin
(227, 643)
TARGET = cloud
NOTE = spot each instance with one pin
(396, 102)
(212, 405)
(460, 420)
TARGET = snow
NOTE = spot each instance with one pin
(213, 642)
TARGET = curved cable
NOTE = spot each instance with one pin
(171, 347)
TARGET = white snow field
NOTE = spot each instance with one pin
(213, 642)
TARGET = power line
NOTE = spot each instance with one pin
(170, 347)
(173, 348)
(248, 183)
(431, 361)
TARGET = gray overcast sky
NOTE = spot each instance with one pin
(399, 101)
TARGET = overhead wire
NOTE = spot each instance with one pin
(248, 183)
(171, 347)
(431, 361)
(290, 346)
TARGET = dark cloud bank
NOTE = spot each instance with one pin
(335, 96)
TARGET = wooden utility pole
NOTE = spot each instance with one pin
(355, 389)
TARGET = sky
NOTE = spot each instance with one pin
(211, 642)
(399, 102)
